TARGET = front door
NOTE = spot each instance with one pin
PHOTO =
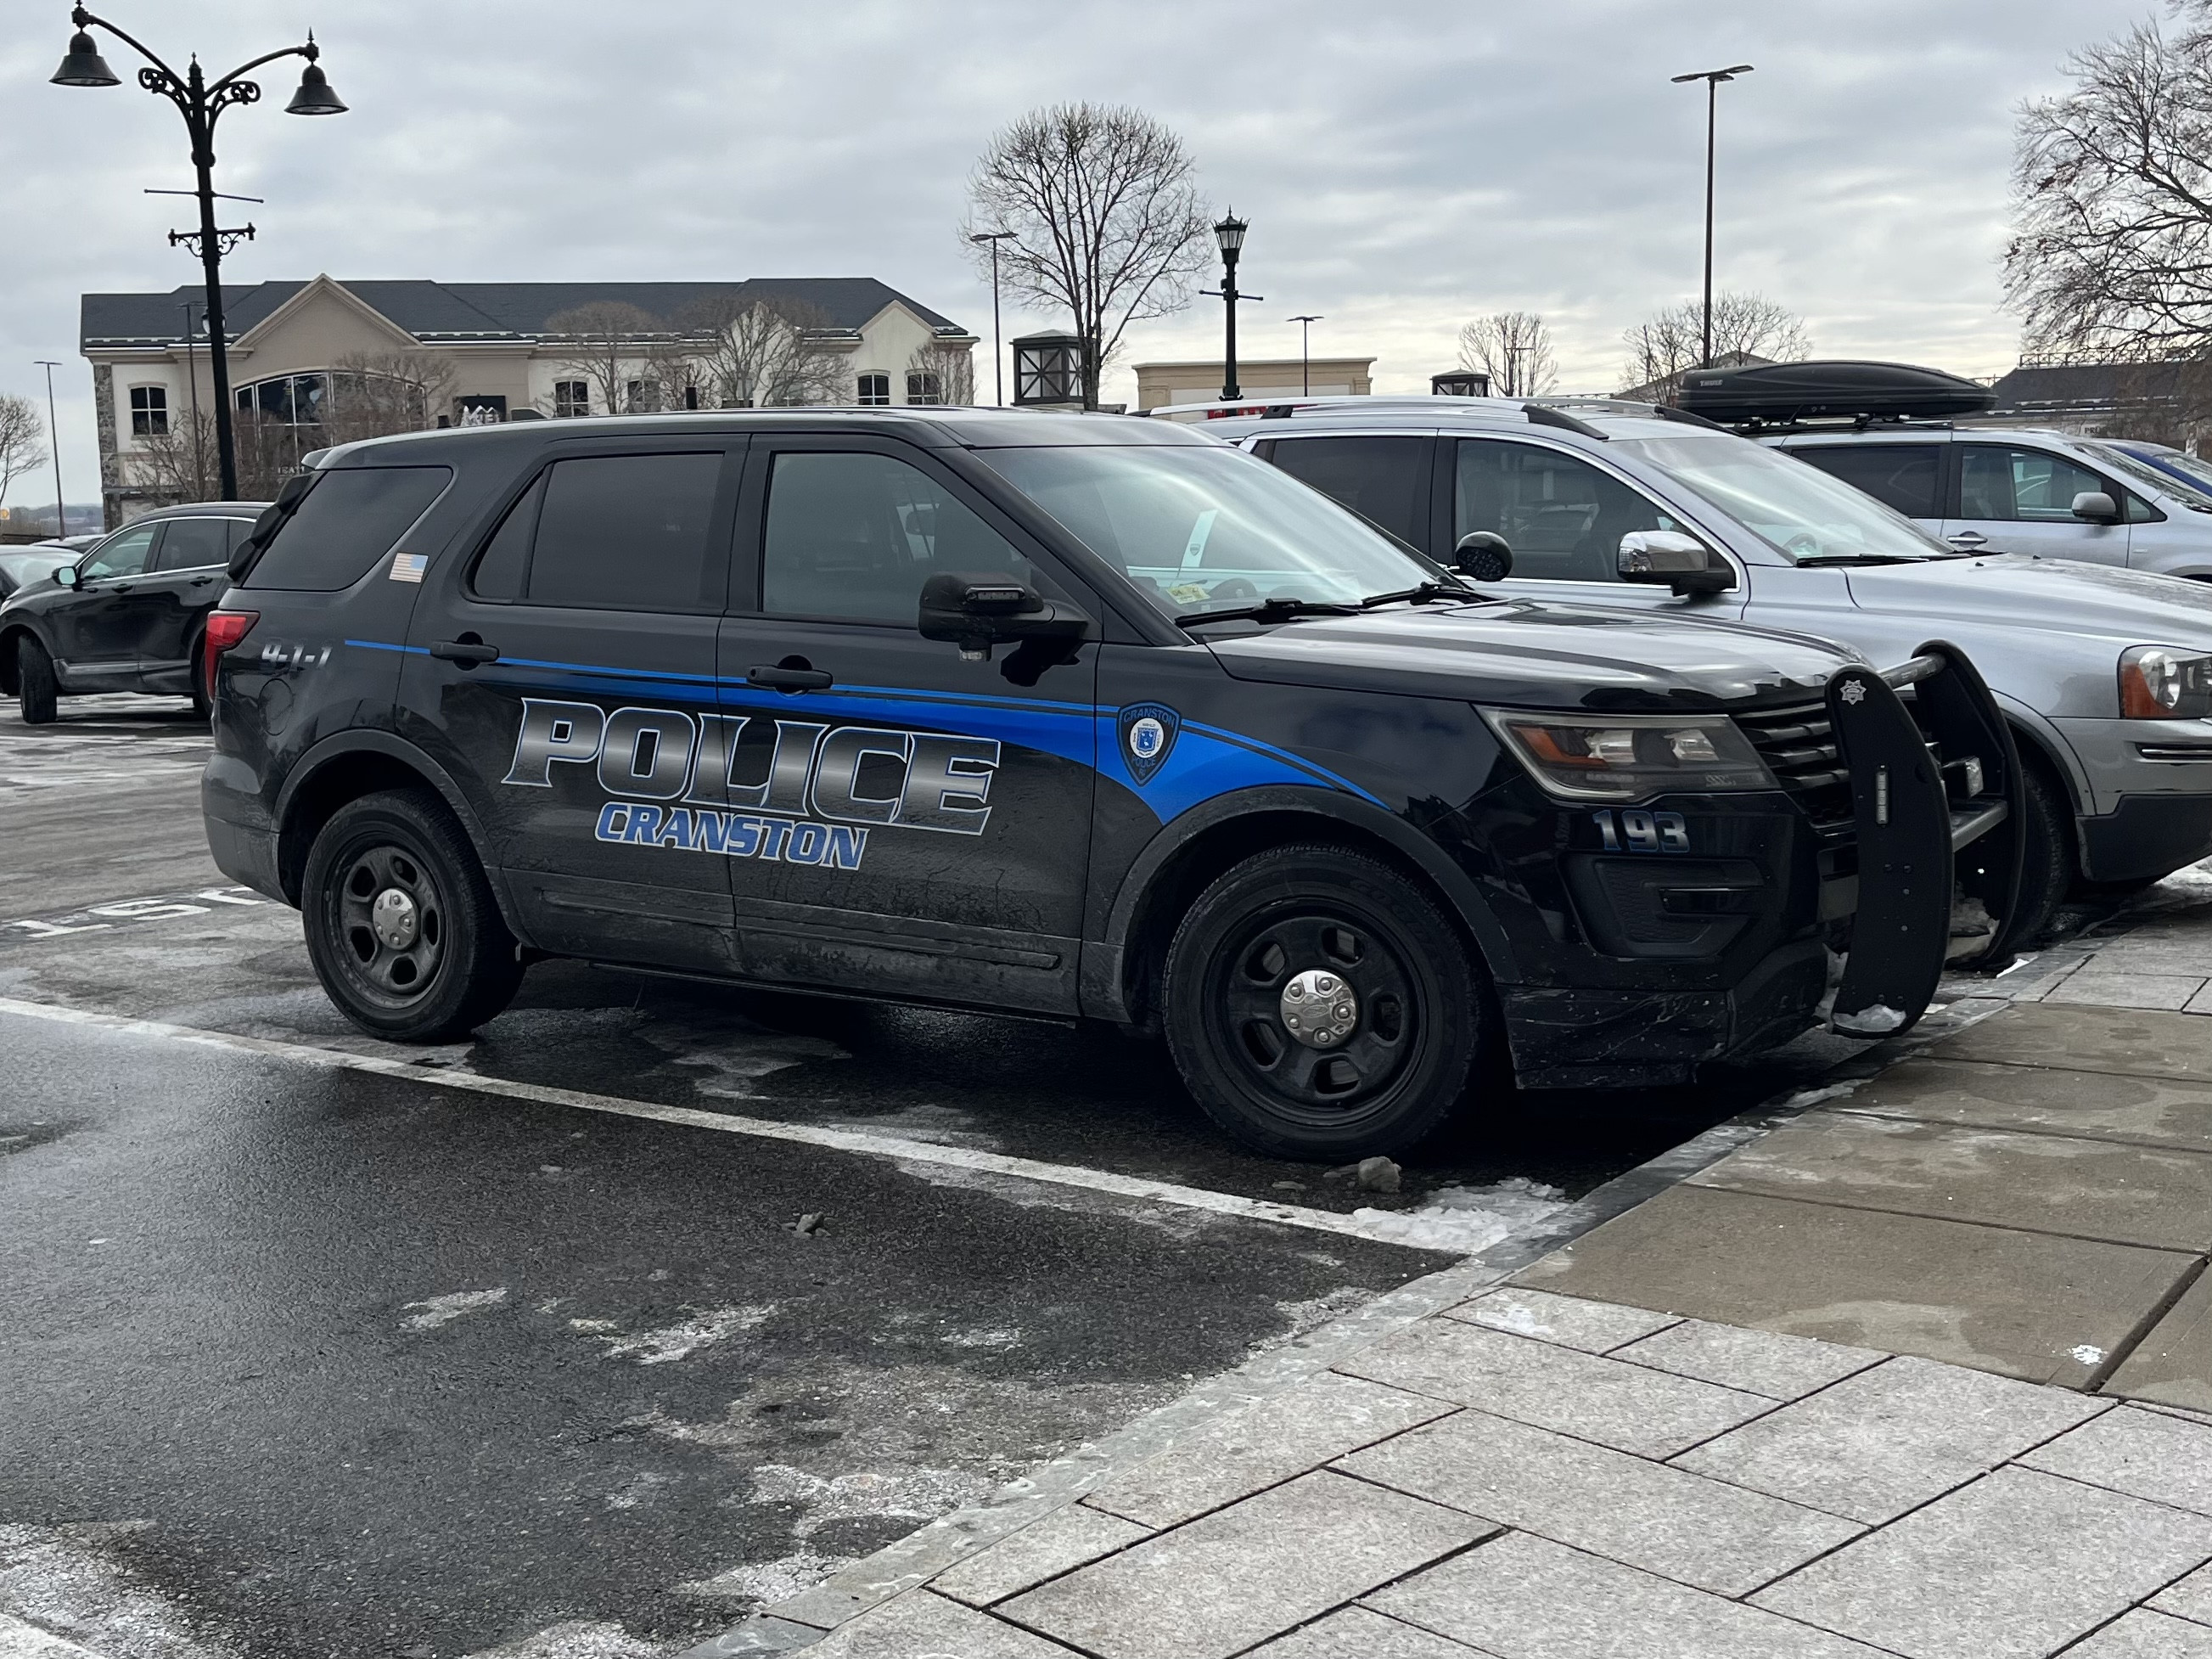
(96, 633)
(902, 819)
(565, 673)
(2013, 499)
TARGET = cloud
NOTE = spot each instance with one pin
(1404, 166)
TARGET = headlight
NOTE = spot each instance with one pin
(2158, 683)
(1631, 757)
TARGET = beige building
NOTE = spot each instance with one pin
(1260, 378)
(490, 351)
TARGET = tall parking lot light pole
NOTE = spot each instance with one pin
(1229, 234)
(200, 104)
(1305, 352)
(998, 373)
(1712, 78)
(54, 438)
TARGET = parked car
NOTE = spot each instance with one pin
(2106, 674)
(2178, 464)
(127, 614)
(1063, 717)
(20, 567)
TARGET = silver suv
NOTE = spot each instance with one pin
(2106, 674)
(2023, 492)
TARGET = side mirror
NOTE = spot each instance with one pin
(977, 611)
(1670, 558)
(1484, 555)
(66, 576)
(2096, 506)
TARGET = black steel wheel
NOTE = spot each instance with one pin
(401, 924)
(1320, 1006)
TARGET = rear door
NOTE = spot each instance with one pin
(186, 578)
(1905, 477)
(96, 631)
(1384, 479)
(566, 666)
(2011, 498)
(900, 819)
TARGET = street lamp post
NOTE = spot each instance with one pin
(200, 104)
(1712, 78)
(54, 437)
(1305, 355)
(1230, 235)
(192, 382)
(997, 374)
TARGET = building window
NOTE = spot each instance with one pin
(149, 411)
(875, 389)
(642, 397)
(924, 387)
(571, 397)
(286, 400)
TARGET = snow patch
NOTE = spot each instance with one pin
(766, 1582)
(66, 1599)
(1466, 1220)
(445, 1309)
(909, 1494)
(982, 1339)
(1879, 1020)
(1814, 1096)
(2087, 1354)
(581, 1638)
(682, 1340)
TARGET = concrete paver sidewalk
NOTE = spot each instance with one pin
(1800, 1404)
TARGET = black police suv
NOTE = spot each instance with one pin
(126, 616)
(1061, 716)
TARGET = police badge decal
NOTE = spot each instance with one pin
(1148, 734)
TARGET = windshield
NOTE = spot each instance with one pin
(1796, 509)
(1204, 529)
(2197, 494)
(21, 568)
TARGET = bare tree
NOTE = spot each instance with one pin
(2111, 255)
(179, 465)
(621, 352)
(1106, 220)
(755, 353)
(375, 393)
(940, 373)
(1514, 348)
(1671, 341)
(22, 439)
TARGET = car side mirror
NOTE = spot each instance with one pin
(1484, 555)
(1670, 558)
(66, 576)
(2096, 506)
(976, 611)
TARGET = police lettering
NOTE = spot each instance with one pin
(724, 767)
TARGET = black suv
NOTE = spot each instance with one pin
(128, 614)
(1061, 716)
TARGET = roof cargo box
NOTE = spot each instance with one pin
(1777, 394)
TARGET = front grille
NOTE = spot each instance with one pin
(1799, 747)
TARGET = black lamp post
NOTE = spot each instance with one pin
(201, 103)
(1229, 233)
(1712, 78)
(998, 381)
(1305, 351)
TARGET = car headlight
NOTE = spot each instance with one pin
(1631, 757)
(2158, 683)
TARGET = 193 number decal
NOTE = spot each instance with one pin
(1636, 830)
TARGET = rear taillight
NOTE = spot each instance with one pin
(225, 629)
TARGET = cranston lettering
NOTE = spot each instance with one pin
(735, 835)
(855, 775)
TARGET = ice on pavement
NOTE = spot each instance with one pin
(1466, 1220)
(1880, 1020)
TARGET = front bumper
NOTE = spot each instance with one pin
(2146, 837)
(2147, 805)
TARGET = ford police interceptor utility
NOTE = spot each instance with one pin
(1066, 717)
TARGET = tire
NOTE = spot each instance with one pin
(35, 689)
(203, 704)
(1415, 1017)
(426, 966)
(2047, 864)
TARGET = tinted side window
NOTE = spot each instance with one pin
(505, 560)
(192, 543)
(629, 532)
(122, 555)
(2029, 486)
(1899, 475)
(856, 535)
(1562, 517)
(348, 522)
(1384, 480)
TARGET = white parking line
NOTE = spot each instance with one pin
(843, 1140)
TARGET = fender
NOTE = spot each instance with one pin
(1104, 973)
(339, 744)
(2032, 730)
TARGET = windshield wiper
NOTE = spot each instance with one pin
(1269, 611)
(1421, 595)
(1811, 559)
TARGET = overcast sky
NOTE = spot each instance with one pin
(1404, 166)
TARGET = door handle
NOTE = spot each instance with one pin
(201, 581)
(782, 678)
(469, 652)
(121, 587)
(1968, 538)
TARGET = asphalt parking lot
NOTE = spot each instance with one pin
(516, 1341)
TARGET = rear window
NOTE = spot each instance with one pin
(612, 533)
(348, 521)
(1901, 477)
